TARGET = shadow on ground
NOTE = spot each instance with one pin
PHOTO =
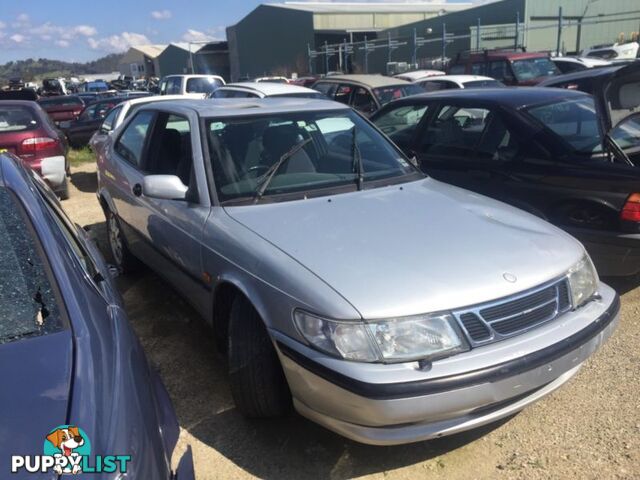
(86, 182)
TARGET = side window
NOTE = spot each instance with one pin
(131, 143)
(109, 120)
(326, 88)
(434, 85)
(343, 94)
(222, 94)
(401, 123)
(498, 70)
(173, 86)
(455, 132)
(170, 149)
(477, 69)
(89, 113)
(363, 101)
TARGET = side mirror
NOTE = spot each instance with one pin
(164, 187)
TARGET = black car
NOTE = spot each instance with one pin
(617, 94)
(539, 149)
(79, 131)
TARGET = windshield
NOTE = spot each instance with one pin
(61, 101)
(17, 119)
(320, 152)
(27, 301)
(203, 85)
(533, 68)
(575, 121)
(394, 92)
(627, 133)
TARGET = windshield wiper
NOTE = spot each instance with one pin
(357, 159)
(265, 180)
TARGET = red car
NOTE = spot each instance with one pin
(510, 67)
(27, 131)
(62, 107)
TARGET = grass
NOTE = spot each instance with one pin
(80, 156)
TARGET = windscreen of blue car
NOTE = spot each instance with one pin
(28, 306)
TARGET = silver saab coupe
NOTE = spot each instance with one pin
(382, 304)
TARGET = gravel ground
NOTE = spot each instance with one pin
(589, 429)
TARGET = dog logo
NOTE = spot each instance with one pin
(67, 439)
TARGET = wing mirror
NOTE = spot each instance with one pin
(164, 187)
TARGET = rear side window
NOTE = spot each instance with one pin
(27, 301)
(131, 143)
(17, 119)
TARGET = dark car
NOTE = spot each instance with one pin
(510, 67)
(365, 93)
(69, 359)
(538, 149)
(80, 131)
(617, 94)
(27, 131)
(63, 107)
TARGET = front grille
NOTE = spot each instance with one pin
(513, 315)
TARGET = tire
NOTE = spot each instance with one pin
(258, 385)
(63, 192)
(122, 257)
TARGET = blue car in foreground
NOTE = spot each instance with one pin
(78, 395)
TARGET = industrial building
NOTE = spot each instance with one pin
(318, 37)
(141, 61)
(275, 38)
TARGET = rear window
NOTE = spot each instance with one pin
(17, 119)
(203, 85)
(61, 101)
(388, 94)
(27, 301)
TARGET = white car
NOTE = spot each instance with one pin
(577, 64)
(264, 89)
(120, 113)
(191, 86)
(453, 82)
(418, 75)
(617, 51)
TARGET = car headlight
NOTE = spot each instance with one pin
(583, 281)
(390, 340)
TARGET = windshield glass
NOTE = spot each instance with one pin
(319, 146)
(16, 119)
(27, 301)
(575, 121)
(532, 68)
(61, 101)
(394, 92)
(203, 85)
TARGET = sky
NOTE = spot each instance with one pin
(76, 30)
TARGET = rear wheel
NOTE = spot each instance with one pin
(63, 191)
(258, 384)
(122, 257)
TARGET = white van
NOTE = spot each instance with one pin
(193, 86)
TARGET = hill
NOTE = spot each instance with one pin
(32, 69)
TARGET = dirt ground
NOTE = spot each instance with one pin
(589, 429)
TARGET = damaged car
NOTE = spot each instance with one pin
(339, 279)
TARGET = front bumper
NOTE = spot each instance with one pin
(429, 405)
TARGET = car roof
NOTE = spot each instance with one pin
(268, 88)
(513, 97)
(457, 78)
(588, 73)
(372, 81)
(234, 107)
(18, 103)
(152, 98)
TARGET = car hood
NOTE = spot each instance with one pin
(418, 247)
(36, 377)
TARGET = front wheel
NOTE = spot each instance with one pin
(258, 384)
(122, 257)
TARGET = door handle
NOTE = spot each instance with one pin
(137, 189)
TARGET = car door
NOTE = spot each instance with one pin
(171, 230)
(468, 145)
